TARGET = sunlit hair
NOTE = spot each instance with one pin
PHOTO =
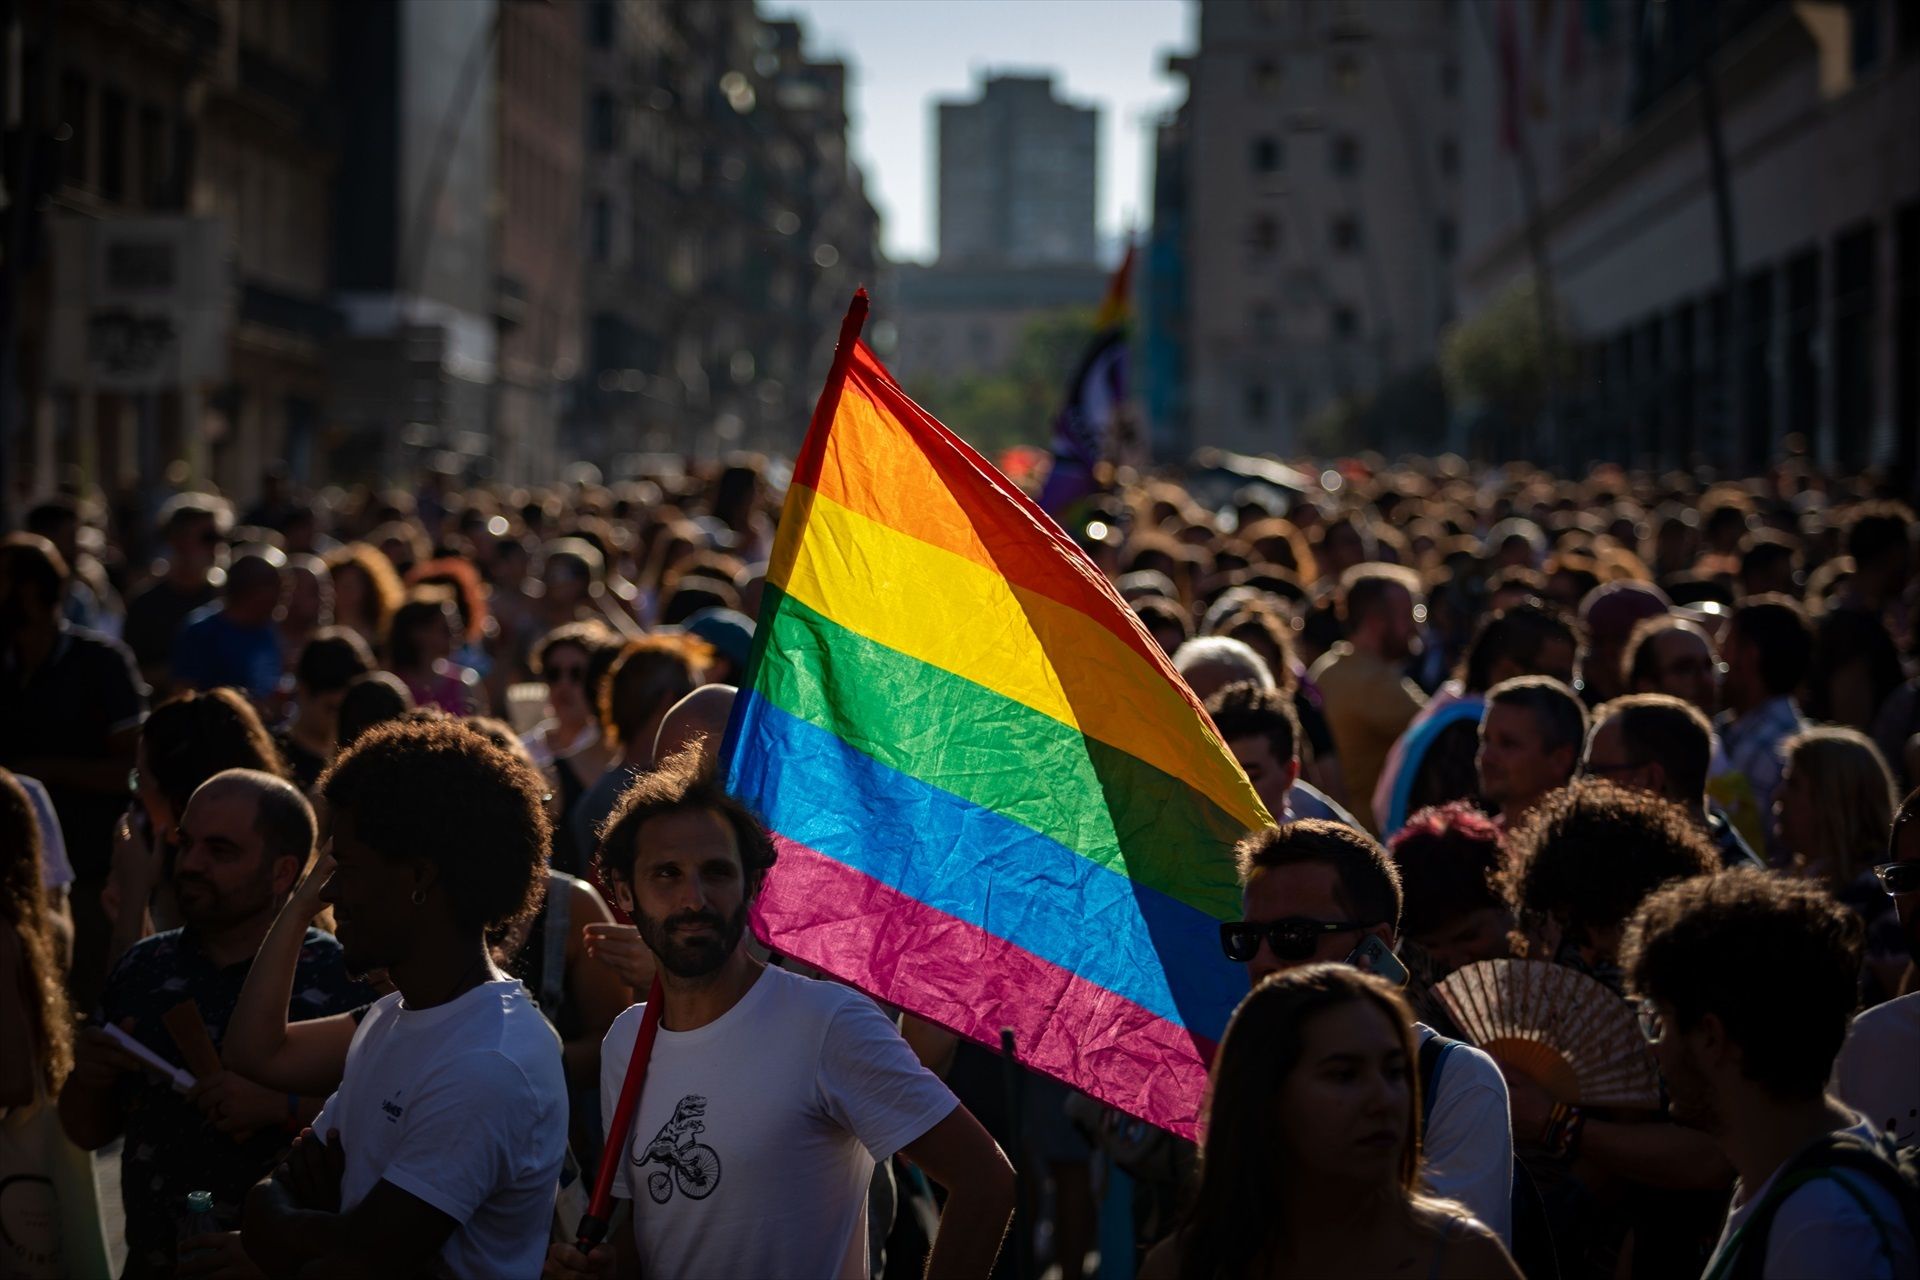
(458, 574)
(384, 593)
(23, 908)
(1450, 858)
(1234, 1226)
(1853, 799)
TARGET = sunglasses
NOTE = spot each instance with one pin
(1292, 938)
(1899, 877)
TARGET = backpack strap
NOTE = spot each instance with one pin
(1830, 1158)
(1433, 1056)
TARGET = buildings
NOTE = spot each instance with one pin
(1711, 314)
(142, 122)
(1318, 165)
(727, 228)
(1017, 176)
(356, 237)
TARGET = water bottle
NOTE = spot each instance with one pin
(198, 1222)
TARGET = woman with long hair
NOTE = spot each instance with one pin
(366, 591)
(1833, 811)
(1311, 1152)
(36, 1026)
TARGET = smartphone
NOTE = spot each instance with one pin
(1376, 957)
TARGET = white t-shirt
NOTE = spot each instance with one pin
(1469, 1141)
(1822, 1232)
(465, 1106)
(757, 1134)
(1878, 1070)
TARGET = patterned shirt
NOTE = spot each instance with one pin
(171, 1148)
(1752, 744)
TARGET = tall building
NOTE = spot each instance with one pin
(183, 154)
(541, 139)
(1322, 186)
(414, 259)
(726, 229)
(1017, 176)
(1712, 307)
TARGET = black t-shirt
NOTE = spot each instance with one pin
(306, 766)
(155, 616)
(1846, 635)
(69, 707)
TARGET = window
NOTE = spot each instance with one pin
(1254, 398)
(601, 124)
(154, 169)
(1345, 322)
(600, 229)
(1346, 73)
(1263, 236)
(1445, 238)
(1346, 234)
(1343, 155)
(1449, 157)
(600, 24)
(1266, 76)
(73, 120)
(1267, 155)
(113, 144)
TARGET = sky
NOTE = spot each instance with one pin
(904, 55)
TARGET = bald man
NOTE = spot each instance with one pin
(700, 717)
(235, 642)
(245, 839)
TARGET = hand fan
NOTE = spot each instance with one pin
(1578, 1040)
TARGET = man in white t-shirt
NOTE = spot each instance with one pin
(1878, 1070)
(443, 1144)
(769, 1097)
(1747, 980)
(1314, 891)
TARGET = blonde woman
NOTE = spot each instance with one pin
(1832, 813)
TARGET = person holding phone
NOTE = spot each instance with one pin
(1316, 891)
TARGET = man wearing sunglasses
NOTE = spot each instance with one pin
(1875, 1072)
(1315, 891)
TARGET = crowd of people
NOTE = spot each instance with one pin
(341, 837)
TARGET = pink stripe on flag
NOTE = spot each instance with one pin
(905, 952)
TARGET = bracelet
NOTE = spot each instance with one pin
(1565, 1125)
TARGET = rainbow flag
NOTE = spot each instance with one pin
(995, 803)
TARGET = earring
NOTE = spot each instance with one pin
(419, 897)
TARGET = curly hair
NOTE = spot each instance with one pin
(458, 575)
(1451, 858)
(682, 783)
(192, 736)
(1591, 852)
(385, 593)
(23, 908)
(1773, 958)
(441, 791)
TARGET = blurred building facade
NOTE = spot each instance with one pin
(1017, 175)
(146, 121)
(726, 229)
(490, 237)
(1726, 197)
(1318, 158)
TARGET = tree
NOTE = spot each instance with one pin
(996, 411)
(1498, 360)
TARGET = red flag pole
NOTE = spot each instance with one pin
(593, 1224)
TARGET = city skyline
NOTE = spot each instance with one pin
(896, 77)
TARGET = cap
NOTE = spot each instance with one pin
(727, 630)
